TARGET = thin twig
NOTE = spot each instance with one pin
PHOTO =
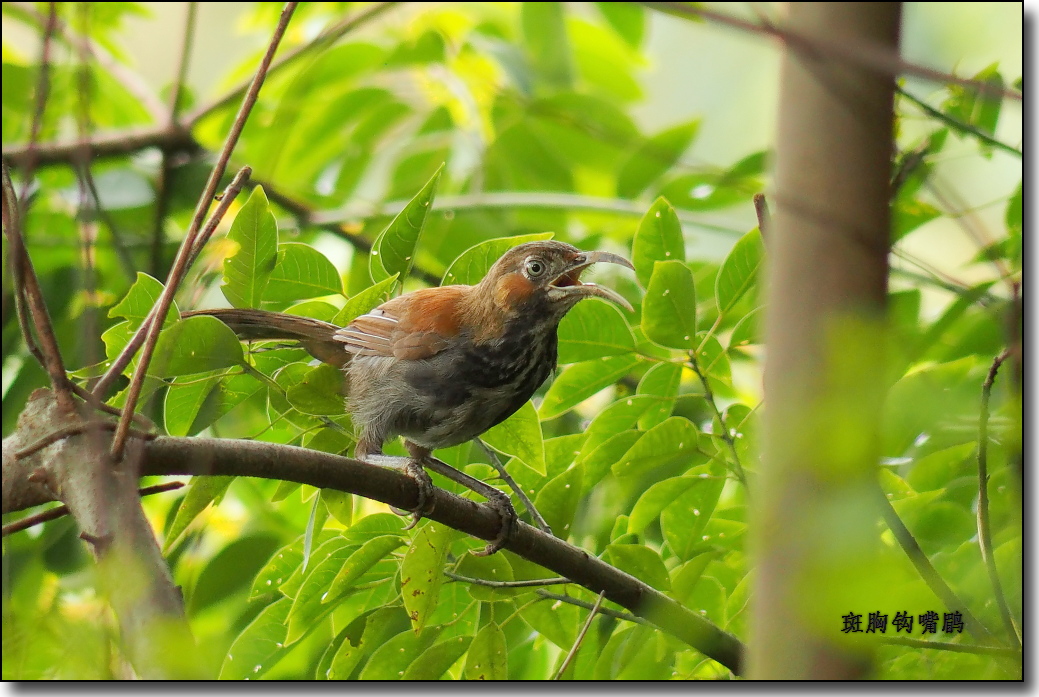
(539, 521)
(73, 430)
(59, 511)
(525, 583)
(948, 646)
(858, 53)
(956, 124)
(984, 529)
(737, 468)
(330, 35)
(187, 248)
(580, 637)
(588, 606)
(927, 571)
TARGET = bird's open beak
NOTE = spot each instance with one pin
(569, 282)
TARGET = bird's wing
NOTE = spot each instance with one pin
(411, 327)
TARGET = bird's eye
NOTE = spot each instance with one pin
(535, 267)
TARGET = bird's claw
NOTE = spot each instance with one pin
(502, 505)
(426, 500)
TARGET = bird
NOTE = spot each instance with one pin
(442, 365)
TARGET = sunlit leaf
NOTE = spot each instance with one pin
(581, 380)
(256, 232)
(669, 308)
(394, 249)
(260, 644)
(422, 572)
(739, 271)
(658, 238)
(488, 657)
(201, 492)
(301, 272)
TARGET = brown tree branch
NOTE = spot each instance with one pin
(208, 456)
(63, 510)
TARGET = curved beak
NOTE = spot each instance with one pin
(569, 282)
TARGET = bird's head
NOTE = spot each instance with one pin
(548, 272)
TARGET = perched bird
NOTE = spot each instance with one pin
(440, 366)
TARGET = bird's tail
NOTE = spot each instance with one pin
(313, 334)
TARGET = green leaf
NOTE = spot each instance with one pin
(183, 403)
(364, 301)
(676, 438)
(389, 661)
(474, 263)
(319, 392)
(340, 505)
(593, 329)
(488, 657)
(364, 635)
(661, 382)
(629, 21)
(908, 214)
(684, 519)
(195, 345)
(520, 436)
(739, 271)
(669, 308)
(544, 36)
(557, 501)
(362, 560)
(495, 567)
(311, 601)
(619, 416)
(201, 492)
(581, 380)
(301, 272)
(641, 562)
(658, 238)
(277, 569)
(394, 249)
(654, 157)
(422, 571)
(230, 569)
(599, 460)
(256, 232)
(259, 646)
(434, 661)
(658, 497)
(139, 300)
(748, 330)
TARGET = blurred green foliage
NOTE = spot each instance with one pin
(621, 452)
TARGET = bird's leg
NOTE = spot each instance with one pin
(410, 466)
(498, 500)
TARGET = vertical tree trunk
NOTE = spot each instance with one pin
(814, 512)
